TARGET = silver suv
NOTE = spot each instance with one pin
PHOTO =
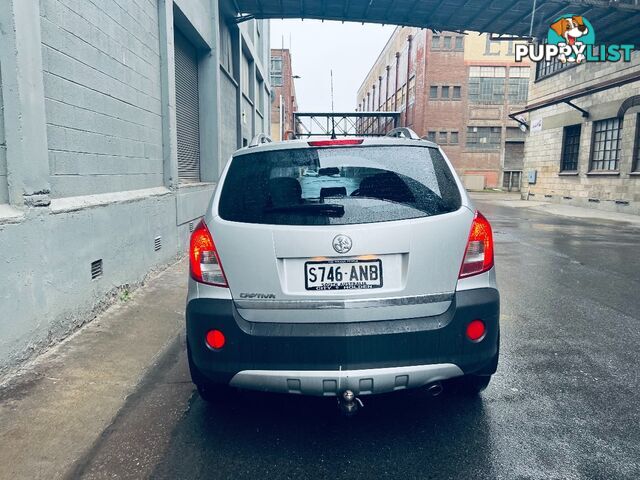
(349, 265)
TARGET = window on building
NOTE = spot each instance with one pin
(431, 135)
(433, 91)
(247, 84)
(545, 69)
(453, 138)
(570, 148)
(435, 41)
(445, 92)
(460, 43)
(484, 138)
(226, 48)
(605, 153)
(518, 84)
(447, 43)
(443, 137)
(457, 93)
(276, 71)
(487, 84)
(261, 94)
(636, 162)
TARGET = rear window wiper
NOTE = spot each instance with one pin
(328, 209)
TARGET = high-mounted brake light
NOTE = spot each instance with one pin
(204, 261)
(478, 256)
(336, 142)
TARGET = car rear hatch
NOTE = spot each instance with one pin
(341, 233)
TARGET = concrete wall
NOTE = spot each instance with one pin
(613, 191)
(229, 117)
(102, 96)
(4, 192)
(89, 171)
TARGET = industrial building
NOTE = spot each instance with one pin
(283, 99)
(458, 90)
(116, 119)
(585, 152)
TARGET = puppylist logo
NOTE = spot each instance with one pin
(572, 39)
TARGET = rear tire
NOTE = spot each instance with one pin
(213, 393)
(210, 392)
(470, 385)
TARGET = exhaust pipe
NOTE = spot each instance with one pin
(434, 389)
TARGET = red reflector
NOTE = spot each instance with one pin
(476, 330)
(336, 142)
(215, 339)
(478, 257)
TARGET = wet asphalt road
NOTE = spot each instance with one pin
(564, 404)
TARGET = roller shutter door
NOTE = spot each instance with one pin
(187, 109)
(513, 155)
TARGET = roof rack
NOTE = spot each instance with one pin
(260, 139)
(403, 132)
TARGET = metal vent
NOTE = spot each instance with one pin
(191, 227)
(157, 243)
(96, 269)
(187, 109)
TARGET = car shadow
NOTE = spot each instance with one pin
(408, 434)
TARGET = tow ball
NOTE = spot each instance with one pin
(349, 404)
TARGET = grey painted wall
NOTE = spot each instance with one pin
(4, 192)
(89, 168)
(229, 138)
(45, 298)
(102, 95)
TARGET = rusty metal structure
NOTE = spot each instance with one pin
(343, 124)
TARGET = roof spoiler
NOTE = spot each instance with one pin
(403, 132)
(260, 139)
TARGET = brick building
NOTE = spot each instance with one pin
(283, 98)
(589, 160)
(457, 90)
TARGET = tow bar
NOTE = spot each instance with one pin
(349, 404)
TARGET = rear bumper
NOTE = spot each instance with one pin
(330, 382)
(366, 357)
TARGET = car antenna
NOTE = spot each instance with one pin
(333, 119)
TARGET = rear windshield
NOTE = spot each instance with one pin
(338, 186)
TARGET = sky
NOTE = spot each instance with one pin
(350, 49)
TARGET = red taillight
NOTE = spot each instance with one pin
(336, 142)
(476, 330)
(478, 257)
(204, 261)
(215, 339)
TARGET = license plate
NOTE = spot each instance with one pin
(343, 275)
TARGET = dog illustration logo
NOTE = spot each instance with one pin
(572, 40)
(571, 31)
